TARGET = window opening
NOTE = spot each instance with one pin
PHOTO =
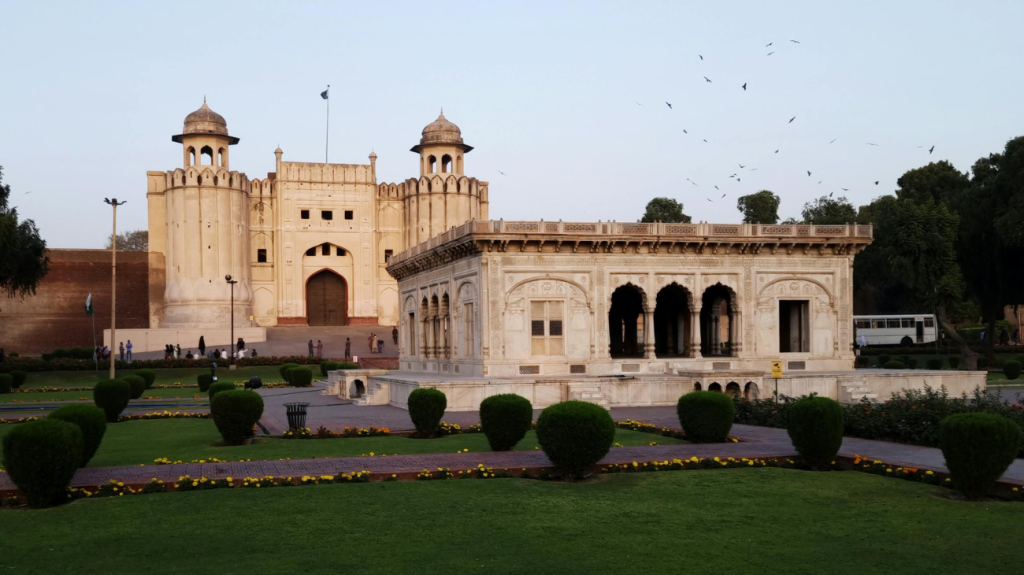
(349, 214)
(261, 256)
(546, 328)
(304, 214)
(327, 215)
(794, 326)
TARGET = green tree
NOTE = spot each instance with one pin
(665, 210)
(23, 259)
(133, 241)
(759, 208)
(938, 181)
(828, 211)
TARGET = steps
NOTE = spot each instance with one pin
(590, 393)
(852, 391)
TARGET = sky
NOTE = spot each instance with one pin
(568, 99)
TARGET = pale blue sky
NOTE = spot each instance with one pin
(545, 91)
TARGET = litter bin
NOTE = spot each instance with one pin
(296, 415)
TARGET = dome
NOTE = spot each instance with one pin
(205, 121)
(441, 132)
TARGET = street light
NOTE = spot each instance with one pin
(232, 283)
(113, 280)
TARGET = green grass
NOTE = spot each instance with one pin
(692, 522)
(135, 442)
(163, 376)
(45, 396)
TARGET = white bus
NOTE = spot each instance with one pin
(895, 330)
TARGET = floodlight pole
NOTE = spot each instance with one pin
(231, 284)
(113, 281)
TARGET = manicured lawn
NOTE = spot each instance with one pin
(163, 376)
(693, 522)
(185, 392)
(135, 442)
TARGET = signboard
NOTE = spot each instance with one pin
(776, 369)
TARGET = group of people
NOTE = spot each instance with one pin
(318, 349)
(126, 350)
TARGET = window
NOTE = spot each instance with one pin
(348, 214)
(311, 251)
(339, 251)
(326, 215)
(863, 324)
(207, 155)
(304, 214)
(411, 347)
(878, 324)
(794, 326)
(446, 164)
(261, 256)
(546, 328)
(387, 255)
(892, 323)
(929, 322)
(907, 322)
(325, 249)
(467, 330)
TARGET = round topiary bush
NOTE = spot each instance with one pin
(41, 457)
(575, 435)
(954, 361)
(205, 380)
(138, 385)
(912, 363)
(505, 419)
(6, 383)
(894, 364)
(112, 397)
(327, 366)
(300, 377)
(706, 416)
(148, 375)
(235, 412)
(883, 359)
(862, 361)
(1011, 369)
(426, 408)
(220, 386)
(91, 421)
(815, 426)
(935, 363)
(978, 448)
(19, 378)
(284, 370)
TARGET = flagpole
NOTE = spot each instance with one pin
(327, 140)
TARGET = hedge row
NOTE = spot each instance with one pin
(35, 364)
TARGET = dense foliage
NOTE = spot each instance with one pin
(137, 384)
(283, 370)
(426, 408)
(575, 435)
(91, 421)
(300, 376)
(41, 457)
(815, 425)
(148, 375)
(828, 211)
(505, 419)
(112, 397)
(235, 413)
(6, 383)
(978, 448)
(706, 416)
(23, 259)
(664, 210)
(205, 380)
(1011, 369)
(220, 386)
(759, 208)
(19, 378)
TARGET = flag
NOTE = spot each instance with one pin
(88, 305)
(324, 93)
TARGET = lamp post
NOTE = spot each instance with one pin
(232, 283)
(113, 281)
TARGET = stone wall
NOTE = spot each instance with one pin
(55, 316)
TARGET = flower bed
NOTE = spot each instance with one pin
(324, 433)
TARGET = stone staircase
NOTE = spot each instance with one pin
(589, 392)
(853, 390)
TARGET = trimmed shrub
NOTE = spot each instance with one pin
(328, 366)
(284, 370)
(41, 457)
(235, 412)
(6, 382)
(912, 362)
(815, 426)
(138, 385)
(91, 421)
(1011, 369)
(862, 361)
(706, 416)
(505, 419)
(954, 361)
(894, 364)
(220, 386)
(204, 380)
(19, 378)
(347, 365)
(905, 359)
(426, 408)
(978, 448)
(112, 397)
(300, 377)
(575, 435)
(935, 363)
(884, 359)
(148, 375)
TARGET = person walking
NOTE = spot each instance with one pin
(311, 349)
(380, 345)
(177, 351)
(370, 340)
(128, 348)
(394, 334)
(319, 349)
(121, 349)
(348, 349)
(202, 346)
(240, 344)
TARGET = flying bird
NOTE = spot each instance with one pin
(820, 181)
(931, 149)
(737, 179)
(701, 57)
(830, 194)
(684, 131)
(710, 200)
(723, 195)
(691, 181)
(770, 53)
(716, 187)
(776, 151)
(26, 193)
(808, 173)
(768, 44)
(791, 119)
(870, 144)
(705, 141)
(638, 103)
(741, 166)
(669, 105)
(834, 140)
(795, 41)
(706, 79)
(845, 189)
(502, 173)
(876, 182)
(744, 86)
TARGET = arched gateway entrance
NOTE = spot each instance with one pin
(326, 299)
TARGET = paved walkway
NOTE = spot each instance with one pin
(294, 340)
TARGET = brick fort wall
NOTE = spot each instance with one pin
(55, 316)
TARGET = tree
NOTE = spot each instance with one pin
(938, 181)
(759, 208)
(827, 211)
(133, 241)
(665, 210)
(23, 259)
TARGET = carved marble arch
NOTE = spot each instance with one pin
(792, 286)
(556, 287)
(466, 292)
(410, 305)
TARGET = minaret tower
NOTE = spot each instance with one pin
(207, 231)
